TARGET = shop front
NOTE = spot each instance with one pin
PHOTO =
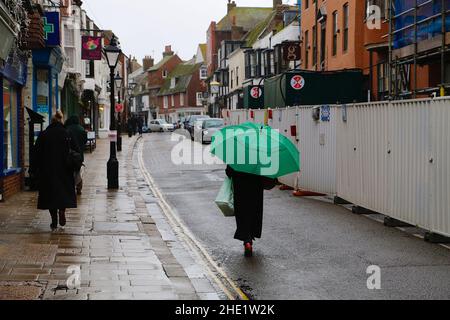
(47, 64)
(12, 79)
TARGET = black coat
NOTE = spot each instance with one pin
(56, 182)
(249, 203)
(78, 133)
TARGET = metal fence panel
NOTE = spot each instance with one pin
(317, 145)
(440, 173)
(393, 158)
(390, 157)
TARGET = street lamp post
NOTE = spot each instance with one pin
(215, 89)
(119, 81)
(112, 53)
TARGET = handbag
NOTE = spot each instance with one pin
(225, 198)
(268, 183)
(74, 161)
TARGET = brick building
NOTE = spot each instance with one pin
(157, 75)
(182, 92)
(227, 35)
(347, 34)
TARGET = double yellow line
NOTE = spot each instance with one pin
(226, 284)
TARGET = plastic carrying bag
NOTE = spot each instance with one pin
(225, 198)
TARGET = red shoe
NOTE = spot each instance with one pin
(248, 249)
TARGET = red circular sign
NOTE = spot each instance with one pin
(297, 82)
(256, 92)
(119, 107)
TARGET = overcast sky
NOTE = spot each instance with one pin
(146, 26)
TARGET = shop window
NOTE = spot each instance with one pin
(10, 130)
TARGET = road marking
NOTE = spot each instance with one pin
(217, 274)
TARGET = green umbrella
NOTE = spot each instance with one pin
(256, 149)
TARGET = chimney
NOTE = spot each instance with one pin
(168, 51)
(231, 5)
(277, 3)
(148, 62)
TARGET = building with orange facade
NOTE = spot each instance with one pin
(402, 49)
(333, 36)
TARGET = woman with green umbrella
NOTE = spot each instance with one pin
(248, 205)
(255, 156)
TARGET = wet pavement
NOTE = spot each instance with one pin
(116, 245)
(311, 249)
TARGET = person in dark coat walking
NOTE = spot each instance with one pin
(56, 181)
(249, 205)
(140, 123)
(130, 126)
(80, 137)
(135, 125)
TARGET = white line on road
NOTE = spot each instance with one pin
(216, 273)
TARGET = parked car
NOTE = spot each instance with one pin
(145, 129)
(204, 129)
(160, 125)
(189, 124)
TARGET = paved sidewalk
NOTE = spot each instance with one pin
(112, 238)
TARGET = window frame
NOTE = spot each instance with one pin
(15, 148)
(335, 22)
(345, 25)
(182, 99)
(199, 98)
(203, 73)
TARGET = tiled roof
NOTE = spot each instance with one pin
(246, 17)
(253, 35)
(160, 63)
(266, 26)
(183, 73)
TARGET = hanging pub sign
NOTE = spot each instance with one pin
(91, 48)
(51, 29)
(291, 51)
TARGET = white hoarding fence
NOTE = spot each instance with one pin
(389, 157)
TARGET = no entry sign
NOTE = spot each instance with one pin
(256, 92)
(297, 82)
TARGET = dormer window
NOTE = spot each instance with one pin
(203, 73)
